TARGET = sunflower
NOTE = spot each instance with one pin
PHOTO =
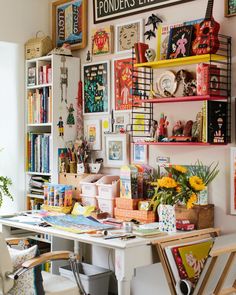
(196, 183)
(180, 169)
(191, 201)
(167, 182)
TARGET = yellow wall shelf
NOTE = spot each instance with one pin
(181, 61)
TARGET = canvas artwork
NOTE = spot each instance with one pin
(69, 23)
(102, 40)
(116, 150)
(92, 133)
(180, 42)
(96, 88)
(127, 35)
(122, 71)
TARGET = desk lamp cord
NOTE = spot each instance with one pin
(74, 264)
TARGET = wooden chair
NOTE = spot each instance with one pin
(53, 284)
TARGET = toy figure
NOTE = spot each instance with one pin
(163, 123)
(153, 129)
(178, 128)
(70, 119)
(188, 128)
(60, 125)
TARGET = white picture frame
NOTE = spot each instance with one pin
(102, 90)
(233, 180)
(139, 153)
(92, 133)
(116, 150)
(127, 34)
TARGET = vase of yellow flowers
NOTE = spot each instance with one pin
(178, 186)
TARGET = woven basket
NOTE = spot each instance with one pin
(38, 46)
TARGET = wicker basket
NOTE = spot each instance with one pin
(38, 46)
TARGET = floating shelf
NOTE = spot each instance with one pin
(38, 173)
(182, 61)
(178, 143)
(180, 99)
(39, 86)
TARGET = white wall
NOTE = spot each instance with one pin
(19, 21)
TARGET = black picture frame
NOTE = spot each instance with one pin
(134, 8)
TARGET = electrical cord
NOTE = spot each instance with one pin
(74, 264)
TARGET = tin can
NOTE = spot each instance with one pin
(128, 227)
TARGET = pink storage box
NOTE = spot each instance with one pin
(109, 186)
(88, 185)
(106, 205)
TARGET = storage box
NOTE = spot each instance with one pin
(109, 186)
(200, 216)
(95, 279)
(129, 204)
(142, 216)
(88, 185)
(38, 46)
(89, 201)
(106, 205)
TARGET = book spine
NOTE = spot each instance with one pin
(204, 122)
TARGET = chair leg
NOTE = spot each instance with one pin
(224, 274)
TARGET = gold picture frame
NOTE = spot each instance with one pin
(69, 23)
(230, 8)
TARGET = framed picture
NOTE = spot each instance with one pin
(139, 154)
(180, 42)
(102, 11)
(116, 149)
(96, 78)
(127, 35)
(233, 180)
(102, 40)
(122, 83)
(92, 133)
(230, 8)
(69, 23)
(121, 121)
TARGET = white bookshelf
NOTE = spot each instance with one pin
(34, 122)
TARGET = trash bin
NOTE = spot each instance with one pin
(95, 279)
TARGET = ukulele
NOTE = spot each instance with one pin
(207, 36)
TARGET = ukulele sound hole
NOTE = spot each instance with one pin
(206, 31)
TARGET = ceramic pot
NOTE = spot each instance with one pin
(167, 222)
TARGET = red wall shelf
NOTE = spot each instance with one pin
(178, 143)
(180, 99)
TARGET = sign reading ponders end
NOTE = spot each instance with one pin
(104, 10)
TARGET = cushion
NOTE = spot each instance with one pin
(25, 285)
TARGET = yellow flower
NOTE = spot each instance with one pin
(178, 189)
(167, 182)
(191, 201)
(196, 183)
(180, 168)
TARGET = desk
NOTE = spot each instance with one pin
(128, 254)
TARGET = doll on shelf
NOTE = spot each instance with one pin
(154, 129)
(163, 123)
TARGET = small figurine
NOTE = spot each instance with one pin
(153, 129)
(88, 56)
(163, 123)
(70, 119)
(188, 128)
(178, 128)
(150, 54)
(60, 125)
(196, 127)
(154, 20)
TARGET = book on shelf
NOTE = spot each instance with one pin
(45, 74)
(38, 152)
(40, 106)
(31, 79)
(36, 184)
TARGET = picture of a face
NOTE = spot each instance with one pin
(128, 35)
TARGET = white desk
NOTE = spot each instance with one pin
(128, 254)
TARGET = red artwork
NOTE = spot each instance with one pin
(123, 84)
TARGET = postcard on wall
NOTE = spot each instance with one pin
(102, 40)
(96, 98)
(122, 83)
(92, 133)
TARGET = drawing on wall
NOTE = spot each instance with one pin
(102, 40)
(116, 150)
(63, 79)
(96, 88)
(92, 133)
(69, 23)
(122, 89)
(127, 35)
(140, 153)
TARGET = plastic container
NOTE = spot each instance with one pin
(95, 279)
(109, 186)
(89, 201)
(88, 185)
(106, 205)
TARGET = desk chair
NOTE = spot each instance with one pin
(53, 284)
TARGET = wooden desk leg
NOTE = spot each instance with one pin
(126, 260)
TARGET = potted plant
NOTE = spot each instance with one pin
(5, 182)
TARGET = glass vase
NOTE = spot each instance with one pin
(167, 220)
